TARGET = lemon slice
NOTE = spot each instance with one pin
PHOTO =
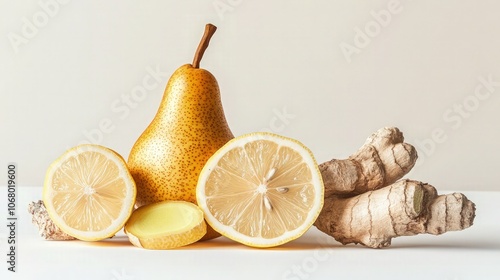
(166, 225)
(261, 189)
(89, 193)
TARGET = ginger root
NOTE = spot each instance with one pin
(364, 205)
(47, 229)
(381, 161)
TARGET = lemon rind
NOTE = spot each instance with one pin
(125, 212)
(261, 242)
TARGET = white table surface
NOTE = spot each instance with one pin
(470, 254)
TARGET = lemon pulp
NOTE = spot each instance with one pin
(261, 189)
(89, 193)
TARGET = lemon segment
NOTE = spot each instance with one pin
(261, 189)
(89, 193)
(166, 225)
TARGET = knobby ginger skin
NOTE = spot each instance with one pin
(47, 229)
(401, 209)
(365, 204)
(381, 161)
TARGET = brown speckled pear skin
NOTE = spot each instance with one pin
(188, 129)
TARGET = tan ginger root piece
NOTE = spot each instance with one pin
(46, 228)
(361, 205)
(381, 161)
(402, 209)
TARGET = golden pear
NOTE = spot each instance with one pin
(189, 127)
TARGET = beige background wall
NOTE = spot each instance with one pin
(328, 73)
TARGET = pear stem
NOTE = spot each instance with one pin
(209, 31)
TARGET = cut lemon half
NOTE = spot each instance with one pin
(89, 192)
(166, 225)
(261, 189)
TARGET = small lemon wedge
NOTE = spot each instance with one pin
(166, 225)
